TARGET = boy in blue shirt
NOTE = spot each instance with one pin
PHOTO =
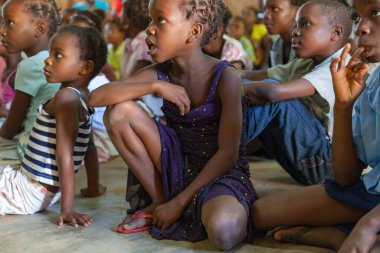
(331, 211)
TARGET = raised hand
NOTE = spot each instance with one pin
(349, 81)
(175, 94)
(74, 218)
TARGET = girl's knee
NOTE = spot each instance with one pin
(226, 231)
(119, 114)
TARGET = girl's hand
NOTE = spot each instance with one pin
(359, 240)
(74, 218)
(90, 192)
(175, 94)
(166, 214)
(349, 81)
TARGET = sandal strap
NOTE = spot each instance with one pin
(141, 215)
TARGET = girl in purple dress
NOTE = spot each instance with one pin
(190, 177)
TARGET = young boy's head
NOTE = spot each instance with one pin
(280, 14)
(114, 32)
(321, 28)
(366, 17)
(135, 16)
(237, 27)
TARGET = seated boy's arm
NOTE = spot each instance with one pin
(261, 92)
(16, 115)
(66, 107)
(254, 75)
(94, 188)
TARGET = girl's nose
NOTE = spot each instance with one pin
(48, 61)
(150, 30)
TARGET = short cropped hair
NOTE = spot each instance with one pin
(338, 14)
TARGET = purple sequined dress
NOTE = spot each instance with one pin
(188, 142)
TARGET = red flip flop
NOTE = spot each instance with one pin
(120, 228)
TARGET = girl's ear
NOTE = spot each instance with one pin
(41, 29)
(337, 33)
(86, 68)
(195, 32)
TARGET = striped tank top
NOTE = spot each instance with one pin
(39, 162)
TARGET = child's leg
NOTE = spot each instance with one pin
(225, 220)
(309, 206)
(136, 137)
(294, 137)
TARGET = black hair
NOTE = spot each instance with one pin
(91, 43)
(46, 10)
(226, 17)
(89, 17)
(207, 12)
(101, 13)
(338, 14)
(137, 12)
(298, 3)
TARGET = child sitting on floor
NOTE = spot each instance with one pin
(26, 30)
(330, 211)
(293, 119)
(190, 175)
(61, 134)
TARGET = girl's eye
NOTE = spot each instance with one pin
(355, 18)
(9, 23)
(161, 20)
(58, 55)
(150, 20)
(305, 24)
(275, 9)
(375, 13)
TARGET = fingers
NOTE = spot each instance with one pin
(355, 58)
(363, 69)
(334, 63)
(60, 221)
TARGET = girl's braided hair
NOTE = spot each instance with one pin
(137, 12)
(46, 10)
(207, 12)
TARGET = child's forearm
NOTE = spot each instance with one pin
(92, 168)
(118, 92)
(346, 165)
(67, 184)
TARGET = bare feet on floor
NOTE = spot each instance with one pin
(326, 237)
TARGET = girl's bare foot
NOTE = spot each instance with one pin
(134, 222)
(326, 237)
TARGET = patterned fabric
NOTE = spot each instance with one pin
(233, 51)
(21, 195)
(39, 162)
(188, 143)
(135, 49)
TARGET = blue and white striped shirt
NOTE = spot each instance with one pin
(39, 162)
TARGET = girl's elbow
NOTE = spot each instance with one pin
(92, 100)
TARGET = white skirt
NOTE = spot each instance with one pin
(21, 195)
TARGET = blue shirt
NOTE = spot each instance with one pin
(366, 130)
(98, 4)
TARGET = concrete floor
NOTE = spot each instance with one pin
(39, 233)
